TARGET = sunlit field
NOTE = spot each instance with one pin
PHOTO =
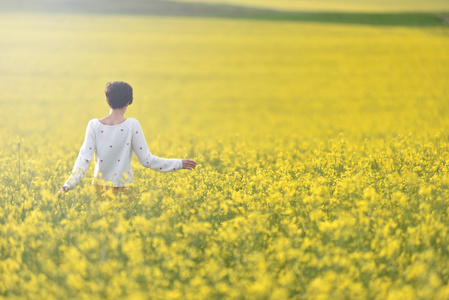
(387, 6)
(323, 154)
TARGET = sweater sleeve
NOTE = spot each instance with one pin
(84, 158)
(147, 159)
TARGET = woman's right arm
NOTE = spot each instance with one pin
(146, 158)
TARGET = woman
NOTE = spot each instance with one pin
(113, 140)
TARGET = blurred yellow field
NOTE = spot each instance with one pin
(323, 159)
(341, 5)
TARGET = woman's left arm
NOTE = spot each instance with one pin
(83, 160)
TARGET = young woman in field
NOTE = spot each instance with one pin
(113, 140)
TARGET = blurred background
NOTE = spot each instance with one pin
(257, 68)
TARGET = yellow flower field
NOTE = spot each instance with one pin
(322, 150)
(340, 5)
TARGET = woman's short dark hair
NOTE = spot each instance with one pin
(119, 94)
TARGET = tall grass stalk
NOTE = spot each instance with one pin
(18, 145)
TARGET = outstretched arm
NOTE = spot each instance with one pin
(148, 160)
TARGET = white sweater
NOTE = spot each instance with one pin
(113, 148)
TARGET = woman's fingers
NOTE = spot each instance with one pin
(188, 164)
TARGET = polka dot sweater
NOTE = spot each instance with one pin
(113, 148)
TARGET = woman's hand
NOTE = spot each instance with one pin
(188, 164)
(63, 189)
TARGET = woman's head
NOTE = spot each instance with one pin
(119, 94)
